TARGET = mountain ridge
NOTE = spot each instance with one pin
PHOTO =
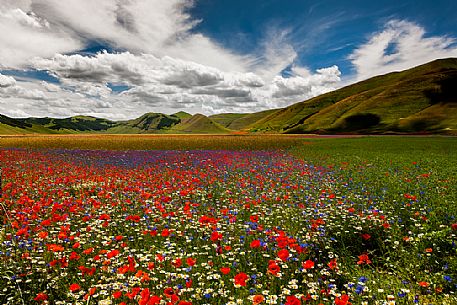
(422, 99)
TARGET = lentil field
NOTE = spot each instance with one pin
(228, 220)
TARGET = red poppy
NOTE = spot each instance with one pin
(343, 300)
(292, 300)
(112, 254)
(332, 264)
(165, 233)
(255, 244)
(366, 236)
(308, 264)
(41, 297)
(74, 256)
(241, 278)
(283, 254)
(191, 261)
(168, 292)
(364, 259)
(215, 236)
(177, 263)
(423, 284)
(117, 294)
(273, 268)
(257, 299)
(225, 270)
(74, 287)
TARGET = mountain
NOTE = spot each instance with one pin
(147, 123)
(421, 99)
(241, 121)
(199, 123)
(72, 124)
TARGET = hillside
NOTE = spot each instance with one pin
(241, 121)
(147, 123)
(421, 99)
(198, 123)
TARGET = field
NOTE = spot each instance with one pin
(228, 220)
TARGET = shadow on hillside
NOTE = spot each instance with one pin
(446, 92)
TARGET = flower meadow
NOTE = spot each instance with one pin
(221, 227)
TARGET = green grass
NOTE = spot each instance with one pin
(383, 170)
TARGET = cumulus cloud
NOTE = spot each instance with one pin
(26, 35)
(162, 62)
(9, 87)
(167, 82)
(399, 46)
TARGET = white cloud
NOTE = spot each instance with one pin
(7, 81)
(168, 83)
(9, 87)
(408, 46)
(25, 35)
(166, 65)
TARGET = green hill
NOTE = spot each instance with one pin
(147, 123)
(422, 99)
(241, 121)
(69, 125)
(199, 123)
(182, 115)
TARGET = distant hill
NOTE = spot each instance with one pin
(199, 123)
(418, 100)
(241, 121)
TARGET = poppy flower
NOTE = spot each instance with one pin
(257, 299)
(112, 253)
(191, 261)
(366, 236)
(364, 259)
(255, 244)
(343, 300)
(332, 264)
(273, 268)
(177, 263)
(241, 278)
(117, 294)
(292, 300)
(423, 284)
(168, 292)
(283, 254)
(215, 236)
(225, 270)
(308, 264)
(41, 297)
(74, 287)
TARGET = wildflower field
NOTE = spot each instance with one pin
(228, 220)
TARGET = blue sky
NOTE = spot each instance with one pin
(324, 32)
(120, 59)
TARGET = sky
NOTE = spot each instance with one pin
(119, 59)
